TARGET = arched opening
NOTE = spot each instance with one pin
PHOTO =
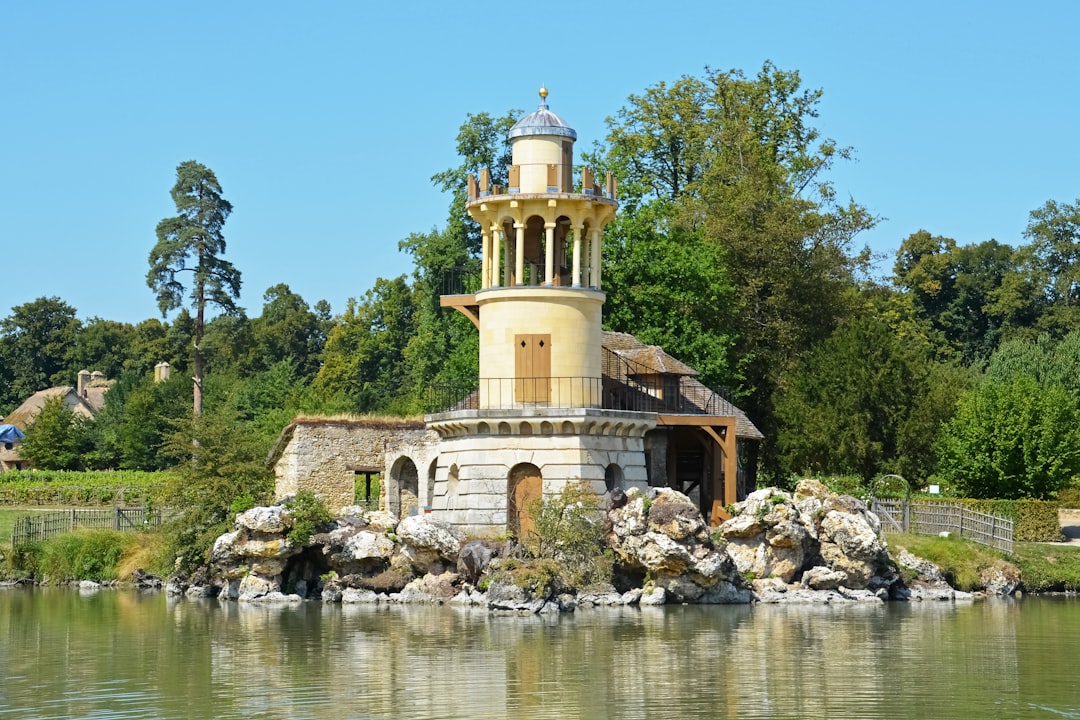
(524, 486)
(406, 481)
(613, 477)
(533, 255)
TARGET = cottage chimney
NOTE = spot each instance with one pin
(83, 383)
(161, 372)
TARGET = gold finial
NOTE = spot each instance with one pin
(543, 91)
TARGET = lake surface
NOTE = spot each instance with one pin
(121, 654)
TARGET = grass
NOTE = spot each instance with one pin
(7, 522)
(99, 555)
(1048, 568)
(1044, 567)
(958, 559)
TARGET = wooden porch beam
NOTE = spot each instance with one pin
(464, 304)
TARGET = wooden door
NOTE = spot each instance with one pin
(525, 487)
(532, 368)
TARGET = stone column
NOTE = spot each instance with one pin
(549, 254)
(519, 253)
(496, 249)
(595, 237)
(576, 276)
(485, 258)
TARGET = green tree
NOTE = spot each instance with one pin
(1012, 439)
(444, 347)
(737, 160)
(104, 345)
(229, 344)
(57, 438)
(667, 290)
(1052, 257)
(364, 356)
(192, 241)
(139, 416)
(289, 330)
(36, 345)
(864, 401)
(957, 289)
(226, 463)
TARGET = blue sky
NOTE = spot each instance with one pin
(324, 121)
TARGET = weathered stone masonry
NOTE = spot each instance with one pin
(326, 455)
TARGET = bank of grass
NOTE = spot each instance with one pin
(1048, 568)
(1044, 567)
(7, 523)
(98, 555)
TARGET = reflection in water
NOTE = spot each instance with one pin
(125, 655)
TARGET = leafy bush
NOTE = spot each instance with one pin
(1069, 497)
(23, 561)
(569, 529)
(224, 465)
(309, 515)
(1012, 439)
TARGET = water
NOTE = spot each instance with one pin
(119, 654)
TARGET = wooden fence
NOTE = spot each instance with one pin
(930, 517)
(44, 524)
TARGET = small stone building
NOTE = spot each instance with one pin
(338, 459)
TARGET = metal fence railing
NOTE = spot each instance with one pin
(654, 394)
(930, 517)
(44, 524)
(517, 393)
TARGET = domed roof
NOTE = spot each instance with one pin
(542, 122)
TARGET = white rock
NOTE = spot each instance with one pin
(270, 520)
(366, 545)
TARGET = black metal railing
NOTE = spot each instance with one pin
(461, 281)
(657, 394)
(517, 393)
(632, 386)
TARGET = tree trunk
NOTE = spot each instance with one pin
(199, 320)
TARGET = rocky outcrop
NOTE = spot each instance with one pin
(807, 546)
(812, 537)
(664, 537)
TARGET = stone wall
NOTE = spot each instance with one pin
(323, 455)
(479, 452)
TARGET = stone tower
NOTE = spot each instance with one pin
(537, 420)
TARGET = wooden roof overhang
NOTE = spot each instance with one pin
(721, 429)
(464, 304)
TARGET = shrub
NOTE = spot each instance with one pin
(309, 515)
(569, 530)
(1012, 440)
